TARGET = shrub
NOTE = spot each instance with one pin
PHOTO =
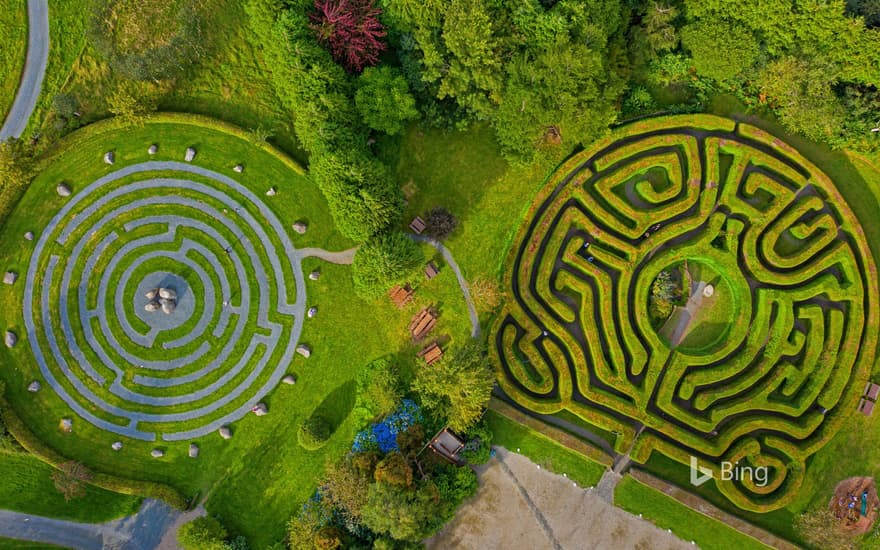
(384, 101)
(351, 30)
(394, 470)
(203, 533)
(383, 435)
(314, 432)
(378, 389)
(383, 261)
(440, 223)
(71, 478)
(329, 538)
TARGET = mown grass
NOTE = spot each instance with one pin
(688, 524)
(26, 486)
(13, 544)
(543, 451)
(13, 36)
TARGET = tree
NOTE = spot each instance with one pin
(458, 387)
(869, 9)
(384, 101)
(202, 533)
(346, 484)
(394, 470)
(351, 30)
(71, 479)
(407, 514)
(720, 50)
(440, 223)
(314, 432)
(383, 261)
(378, 389)
(329, 538)
(822, 530)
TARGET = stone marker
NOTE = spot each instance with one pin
(157, 453)
(109, 157)
(238, 169)
(63, 189)
(315, 275)
(193, 450)
(190, 154)
(29, 236)
(260, 409)
(312, 312)
(167, 293)
(304, 350)
(152, 306)
(289, 379)
(168, 306)
(153, 149)
(117, 445)
(271, 192)
(66, 425)
(225, 432)
(10, 277)
(151, 294)
(10, 339)
(300, 227)
(34, 386)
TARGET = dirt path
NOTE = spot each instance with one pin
(521, 506)
(344, 257)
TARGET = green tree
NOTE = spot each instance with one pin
(378, 389)
(394, 470)
(407, 514)
(657, 21)
(329, 538)
(314, 432)
(202, 533)
(384, 100)
(457, 387)
(383, 261)
(720, 50)
(346, 484)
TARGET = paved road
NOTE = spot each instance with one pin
(34, 70)
(142, 531)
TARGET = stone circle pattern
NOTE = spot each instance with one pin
(240, 301)
(801, 338)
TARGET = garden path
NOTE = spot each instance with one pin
(34, 70)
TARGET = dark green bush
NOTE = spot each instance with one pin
(314, 432)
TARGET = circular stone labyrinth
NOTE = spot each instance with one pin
(771, 363)
(237, 315)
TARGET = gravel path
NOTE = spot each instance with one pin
(34, 70)
(342, 258)
(142, 531)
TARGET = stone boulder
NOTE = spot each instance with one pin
(190, 154)
(34, 386)
(66, 425)
(225, 432)
(63, 189)
(10, 277)
(167, 293)
(152, 306)
(193, 450)
(117, 445)
(152, 294)
(314, 275)
(289, 379)
(238, 168)
(304, 350)
(260, 409)
(312, 312)
(271, 192)
(10, 339)
(153, 149)
(168, 306)
(29, 236)
(300, 227)
(157, 453)
(109, 157)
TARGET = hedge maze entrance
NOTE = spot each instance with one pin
(773, 355)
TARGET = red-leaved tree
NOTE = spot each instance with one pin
(351, 30)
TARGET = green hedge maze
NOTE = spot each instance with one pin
(763, 353)
(239, 288)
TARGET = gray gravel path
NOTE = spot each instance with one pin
(342, 258)
(34, 70)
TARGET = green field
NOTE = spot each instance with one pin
(13, 34)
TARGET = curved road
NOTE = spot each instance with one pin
(34, 70)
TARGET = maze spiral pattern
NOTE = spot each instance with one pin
(787, 368)
(140, 374)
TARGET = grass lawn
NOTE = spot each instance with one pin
(688, 524)
(12, 544)
(13, 36)
(543, 450)
(27, 487)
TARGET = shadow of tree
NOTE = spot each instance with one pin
(338, 404)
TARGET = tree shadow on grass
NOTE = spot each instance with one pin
(338, 404)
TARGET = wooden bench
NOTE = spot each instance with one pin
(401, 295)
(431, 354)
(872, 390)
(431, 270)
(866, 407)
(417, 225)
(422, 323)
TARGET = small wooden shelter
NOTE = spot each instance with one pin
(447, 445)
(431, 354)
(422, 323)
(417, 225)
(401, 295)
(431, 270)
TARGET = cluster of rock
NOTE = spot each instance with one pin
(161, 298)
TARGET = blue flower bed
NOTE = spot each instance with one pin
(383, 435)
